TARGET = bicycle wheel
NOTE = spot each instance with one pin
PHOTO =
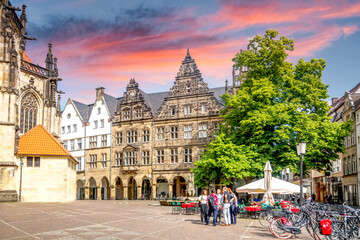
(317, 234)
(278, 231)
(263, 219)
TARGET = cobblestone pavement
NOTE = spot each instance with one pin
(107, 220)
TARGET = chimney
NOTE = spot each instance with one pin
(99, 92)
(333, 100)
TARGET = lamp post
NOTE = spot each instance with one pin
(301, 149)
(21, 167)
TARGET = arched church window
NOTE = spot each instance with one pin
(28, 113)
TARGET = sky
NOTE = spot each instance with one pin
(105, 43)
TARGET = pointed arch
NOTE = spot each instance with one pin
(29, 111)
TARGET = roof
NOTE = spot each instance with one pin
(217, 93)
(39, 142)
(111, 103)
(83, 109)
(154, 100)
(25, 57)
(341, 100)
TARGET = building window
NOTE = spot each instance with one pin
(126, 115)
(345, 167)
(160, 133)
(187, 131)
(160, 157)
(93, 141)
(103, 160)
(203, 108)
(28, 113)
(137, 113)
(187, 110)
(79, 144)
(352, 139)
(33, 161)
(72, 145)
(216, 128)
(130, 158)
(337, 166)
(98, 111)
(132, 137)
(187, 155)
(102, 123)
(187, 89)
(62, 130)
(172, 111)
(104, 140)
(353, 164)
(173, 156)
(74, 127)
(95, 124)
(79, 165)
(118, 138)
(145, 157)
(93, 161)
(118, 158)
(202, 131)
(68, 129)
(174, 132)
(146, 136)
(65, 144)
(349, 165)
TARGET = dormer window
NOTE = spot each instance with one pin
(99, 111)
(126, 115)
(137, 114)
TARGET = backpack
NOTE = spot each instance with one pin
(211, 200)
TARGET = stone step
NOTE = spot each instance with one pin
(8, 196)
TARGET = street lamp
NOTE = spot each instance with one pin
(301, 149)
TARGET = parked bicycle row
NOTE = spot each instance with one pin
(320, 221)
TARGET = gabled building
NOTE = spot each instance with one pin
(142, 145)
(48, 169)
(342, 182)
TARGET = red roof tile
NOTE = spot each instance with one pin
(39, 142)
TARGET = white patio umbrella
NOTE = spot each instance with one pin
(278, 186)
(268, 197)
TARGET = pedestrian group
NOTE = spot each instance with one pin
(219, 203)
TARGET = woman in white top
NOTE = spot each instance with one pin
(203, 206)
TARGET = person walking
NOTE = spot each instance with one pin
(313, 197)
(233, 206)
(203, 206)
(226, 207)
(221, 201)
(213, 205)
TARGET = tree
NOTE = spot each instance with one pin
(277, 105)
(222, 160)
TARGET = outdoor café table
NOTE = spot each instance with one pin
(252, 210)
(186, 207)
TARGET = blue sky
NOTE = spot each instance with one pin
(105, 43)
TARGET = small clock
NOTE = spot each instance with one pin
(132, 94)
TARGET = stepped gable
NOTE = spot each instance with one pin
(39, 142)
(188, 80)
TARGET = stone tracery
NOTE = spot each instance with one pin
(28, 112)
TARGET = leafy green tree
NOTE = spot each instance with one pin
(277, 105)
